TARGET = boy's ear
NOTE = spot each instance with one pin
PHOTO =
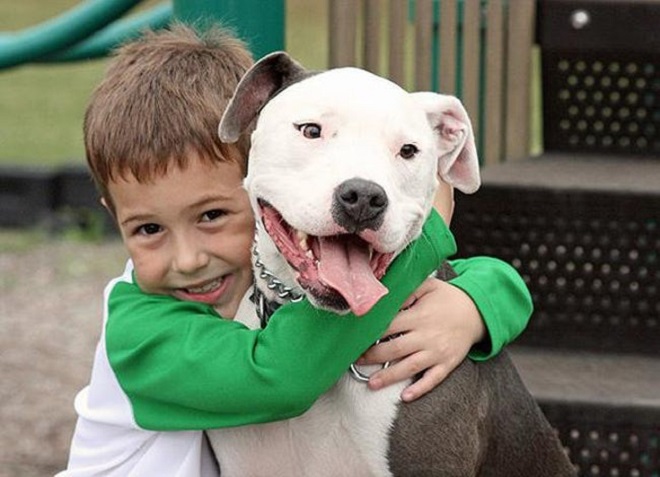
(266, 78)
(108, 207)
(458, 164)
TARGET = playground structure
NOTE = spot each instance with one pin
(87, 31)
(580, 221)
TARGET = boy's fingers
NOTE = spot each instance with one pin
(404, 320)
(400, 371)
(431, 378)
(394, 349)
(401, 324)
(423, 289)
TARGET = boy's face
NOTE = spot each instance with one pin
(189, 233)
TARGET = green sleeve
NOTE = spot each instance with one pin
(183, 368)
(501, 297)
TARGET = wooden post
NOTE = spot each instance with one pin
(423, 44)
(520, 29)
(343, 34)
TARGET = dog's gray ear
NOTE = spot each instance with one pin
(265, 79)
(458, 163)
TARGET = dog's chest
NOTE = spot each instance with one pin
(345, 433)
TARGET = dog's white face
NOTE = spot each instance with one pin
(342, 173)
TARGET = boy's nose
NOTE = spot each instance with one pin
(189, 258)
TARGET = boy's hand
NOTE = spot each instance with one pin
(437, 332)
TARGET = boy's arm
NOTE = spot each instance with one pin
(487, 304)
(501, 297)
(184, 368)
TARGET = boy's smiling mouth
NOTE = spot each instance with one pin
(208, 292)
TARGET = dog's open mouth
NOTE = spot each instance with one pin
(339, 271)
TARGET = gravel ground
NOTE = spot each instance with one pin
(50, 315)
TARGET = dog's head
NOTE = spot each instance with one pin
(342, 172)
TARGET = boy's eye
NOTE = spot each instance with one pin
(149, 229)
(212, 215)
(310, 130)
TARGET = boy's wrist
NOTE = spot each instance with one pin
(468, 310)
(479, 330)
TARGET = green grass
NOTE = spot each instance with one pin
(42, 111)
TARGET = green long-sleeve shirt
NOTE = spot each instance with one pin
(182, 367)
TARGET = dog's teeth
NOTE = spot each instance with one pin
(302, 240)
(309, 254)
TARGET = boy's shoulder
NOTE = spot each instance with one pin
(126, 282)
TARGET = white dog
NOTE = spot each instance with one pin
(341, 176)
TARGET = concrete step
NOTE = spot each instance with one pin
(605, 407)
(587, 377)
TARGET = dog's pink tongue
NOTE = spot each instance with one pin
(344, 266)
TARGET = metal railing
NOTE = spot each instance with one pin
(94, 27)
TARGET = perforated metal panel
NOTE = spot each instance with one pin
(598, 103)
(601, 76)
(590, 259)
(609, 441)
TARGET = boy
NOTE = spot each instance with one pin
(166, 361)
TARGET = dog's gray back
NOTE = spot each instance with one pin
(481, 422)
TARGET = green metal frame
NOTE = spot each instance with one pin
(261, 23)
(104, 41)
(60, 32)
(93, 28)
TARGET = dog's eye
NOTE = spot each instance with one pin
(408, 151)
(310, 130)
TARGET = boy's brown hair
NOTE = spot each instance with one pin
(161, 100)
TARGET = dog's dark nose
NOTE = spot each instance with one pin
(359, 204)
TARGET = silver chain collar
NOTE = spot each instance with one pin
(287, 293)
(273, 283)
